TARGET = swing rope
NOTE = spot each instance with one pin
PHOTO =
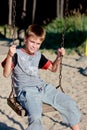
(12, 29)
(62, 45)
(12, 100)
(13, 21)
(60, 71)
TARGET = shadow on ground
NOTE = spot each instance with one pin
(3, 126)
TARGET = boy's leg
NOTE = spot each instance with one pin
(64, 104)
(31, 100)
(75, 127)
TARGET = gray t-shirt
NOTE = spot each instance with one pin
(25, 73)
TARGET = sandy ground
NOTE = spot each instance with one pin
(73, 83)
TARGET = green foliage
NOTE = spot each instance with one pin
(75, 33)
(55, 26)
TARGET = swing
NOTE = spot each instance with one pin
(12, 99)
(15, 105)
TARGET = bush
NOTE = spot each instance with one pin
(74, 29)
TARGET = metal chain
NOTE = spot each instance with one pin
(62, 45)
(13, 20)
(13, 31)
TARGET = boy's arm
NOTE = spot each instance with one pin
(54, 66)
(8, 63)
(8, 66)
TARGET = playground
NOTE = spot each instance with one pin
(73, 83)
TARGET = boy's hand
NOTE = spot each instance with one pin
(12, 50)
(60, 52)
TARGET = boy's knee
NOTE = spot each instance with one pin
(74, 114)
(35, 118)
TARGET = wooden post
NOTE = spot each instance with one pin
(10, 13)
(34, 10)
(24, 5)
(60, 8)
(86, 48)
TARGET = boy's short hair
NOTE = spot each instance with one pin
(36, 30)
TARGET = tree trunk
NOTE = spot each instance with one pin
(57, 12)
(33, 11)
(24, 5)
(60, 8)
(10, 13)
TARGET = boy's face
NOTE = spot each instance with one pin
(32, 44)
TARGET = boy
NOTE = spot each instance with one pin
(30, 89)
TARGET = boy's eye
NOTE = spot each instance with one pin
(34, 42)
(38, 43)
(31, 41)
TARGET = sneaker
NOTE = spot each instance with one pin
(84, 72)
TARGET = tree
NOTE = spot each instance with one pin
(10, 12)
(60, 8)
(33, 11)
